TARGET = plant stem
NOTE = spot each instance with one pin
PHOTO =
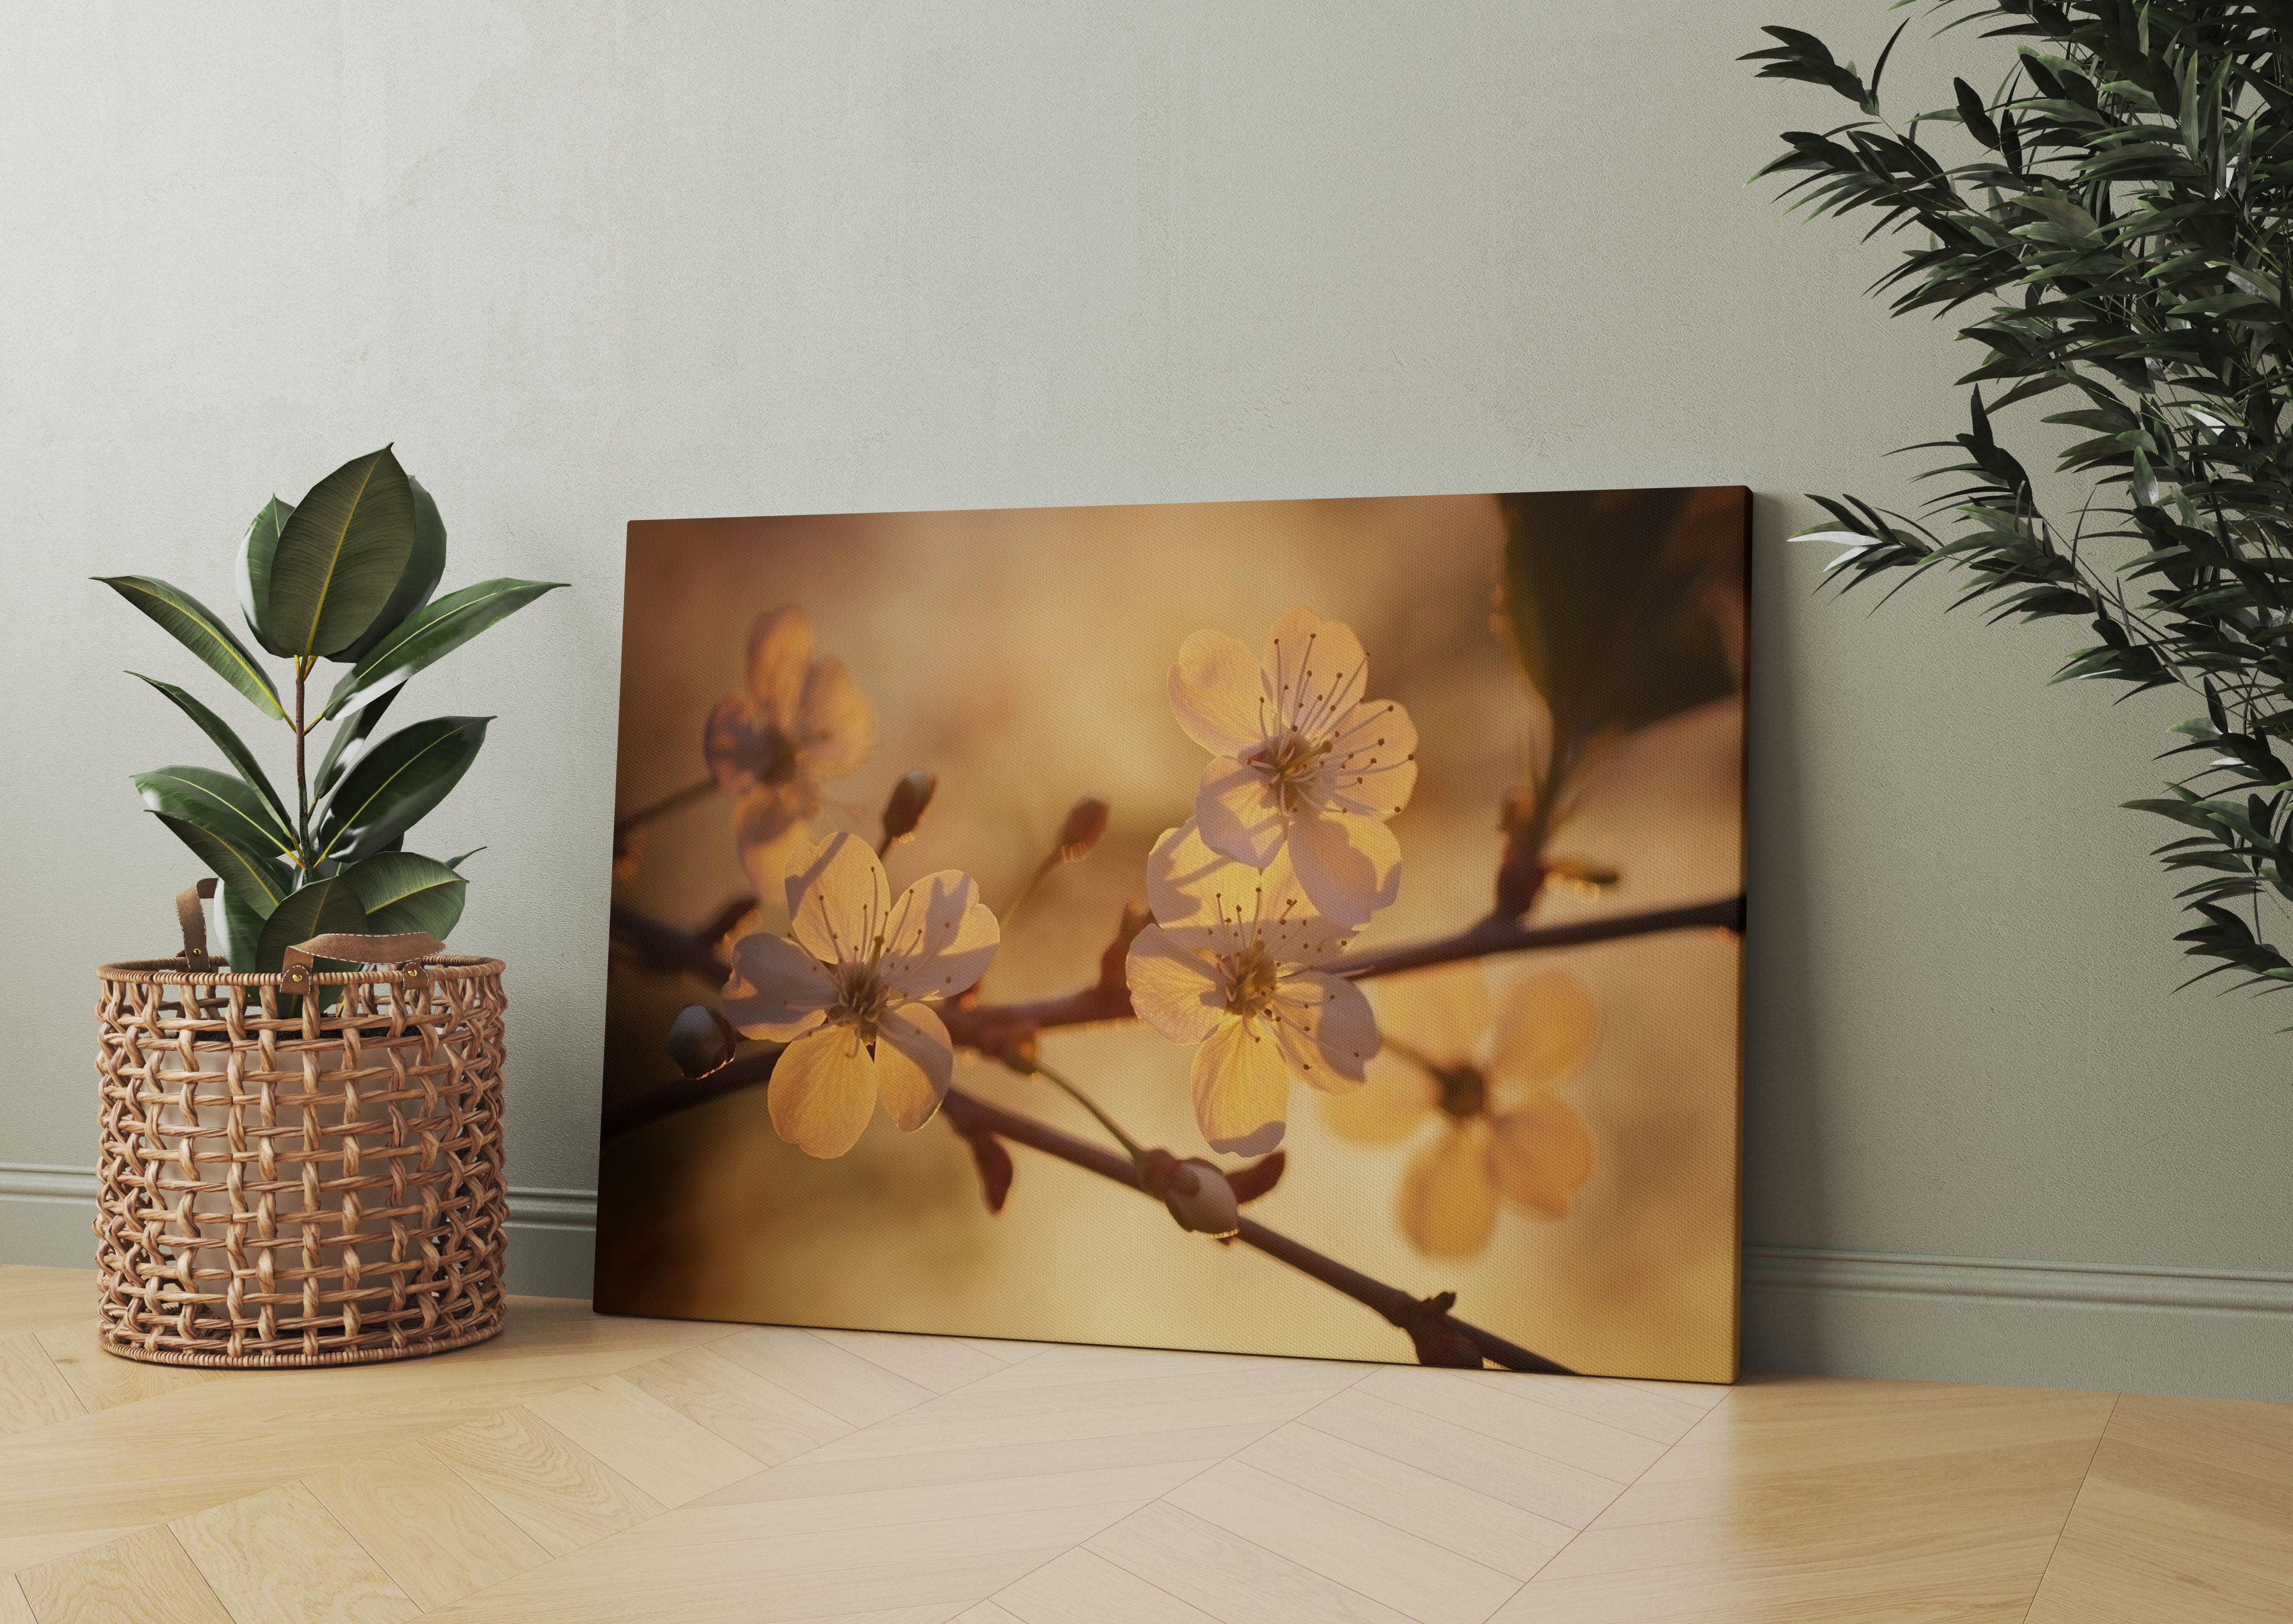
(665, 805)
(1027, 1067)
(301, 786)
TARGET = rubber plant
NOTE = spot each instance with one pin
(346, 576)
(2109, 226)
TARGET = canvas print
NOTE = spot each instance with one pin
(1302, 928)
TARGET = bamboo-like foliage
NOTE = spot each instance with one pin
(2113, 218)
(347, 575)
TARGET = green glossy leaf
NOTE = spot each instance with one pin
(340, 556)
(424, 566)
(403, 891)
(241, 927)
(263, 880)
(218, 801)
(320, 908)
(396, 782)
(196, 626)
(256, 548)
(349, 744)
(456, 862)
(233, 748)
(1610, 595)
(436, 631)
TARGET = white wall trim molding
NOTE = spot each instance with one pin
(1825, 1272)
(531, 1207)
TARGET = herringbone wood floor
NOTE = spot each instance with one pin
(622, 1471)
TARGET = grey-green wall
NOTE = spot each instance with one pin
(589, 263)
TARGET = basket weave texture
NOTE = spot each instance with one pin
(284, 1184)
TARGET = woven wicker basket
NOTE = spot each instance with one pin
(294, 1176)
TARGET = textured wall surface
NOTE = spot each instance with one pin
(589, 263)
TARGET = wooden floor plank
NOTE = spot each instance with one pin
(102, 1379)
(661, 1450)
(13, 1608)
(941, 1363)
(1504, 1410)
(843, 1384)
(753, 1414)
(144, 1579)
(280, 1557)
(1551, 1488)
(1083, 1587)
(560, 1494)
(33, 1393)
(430, 1531)
(1233, 1580)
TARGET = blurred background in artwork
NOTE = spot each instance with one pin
(1022, 656)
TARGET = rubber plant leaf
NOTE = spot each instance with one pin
(256, 548)
(261, 882)
(428, 636)
(340, 556)
(402, 891)
(395, 784)
(233, 747)
(195, 626)
(349, 744)
(424, 566)
(218, 801)
(320, 908)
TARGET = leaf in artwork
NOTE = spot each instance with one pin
(402, 891)
(429, 635)
(197, 627)
(396, 782)
(341, 555)
(233, 747)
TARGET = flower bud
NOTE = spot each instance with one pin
(1086, 824)
(1201, 1199)
(699, 1040)
(904, 808)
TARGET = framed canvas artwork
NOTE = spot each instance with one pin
(1290, 926)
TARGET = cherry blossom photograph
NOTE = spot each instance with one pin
(1301, 927)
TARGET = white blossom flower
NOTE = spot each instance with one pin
(1303, 761)
(846, 990)
(1230, 964)
(799, 722)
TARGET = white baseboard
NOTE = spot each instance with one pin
(2137, 1327)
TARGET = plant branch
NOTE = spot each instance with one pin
(665, 805)
(302, 783)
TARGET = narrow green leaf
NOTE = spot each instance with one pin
(195, 626)
(402, 891)
(349, 744)
(233, 748)
(256, 548)
(456, 862)
(423, 565)
(395, 784)
(262, 879)
(320, 908)
(428, 636)
(340, 556)
(218, 801)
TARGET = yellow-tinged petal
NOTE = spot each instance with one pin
(1325, 1029)
(915, 1061)
(1215, 693)
(941, 937)
(1174, 987)
(1239, 813)
(1547, 1027)
(778, 990)
(1316, 671)
(823, 1090)
(1349, 866)
(1441, 1013)
(1371, 765)
(779, 658)
(1391, 1106)
(1241, 1088)
(772, 829)
(839, 900)
(1448, 1202)
(835, 725)
(1542, 1155)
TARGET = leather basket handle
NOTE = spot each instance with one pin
(193, 921)
(296, 964)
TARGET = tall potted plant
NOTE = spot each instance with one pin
(302, 1148)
